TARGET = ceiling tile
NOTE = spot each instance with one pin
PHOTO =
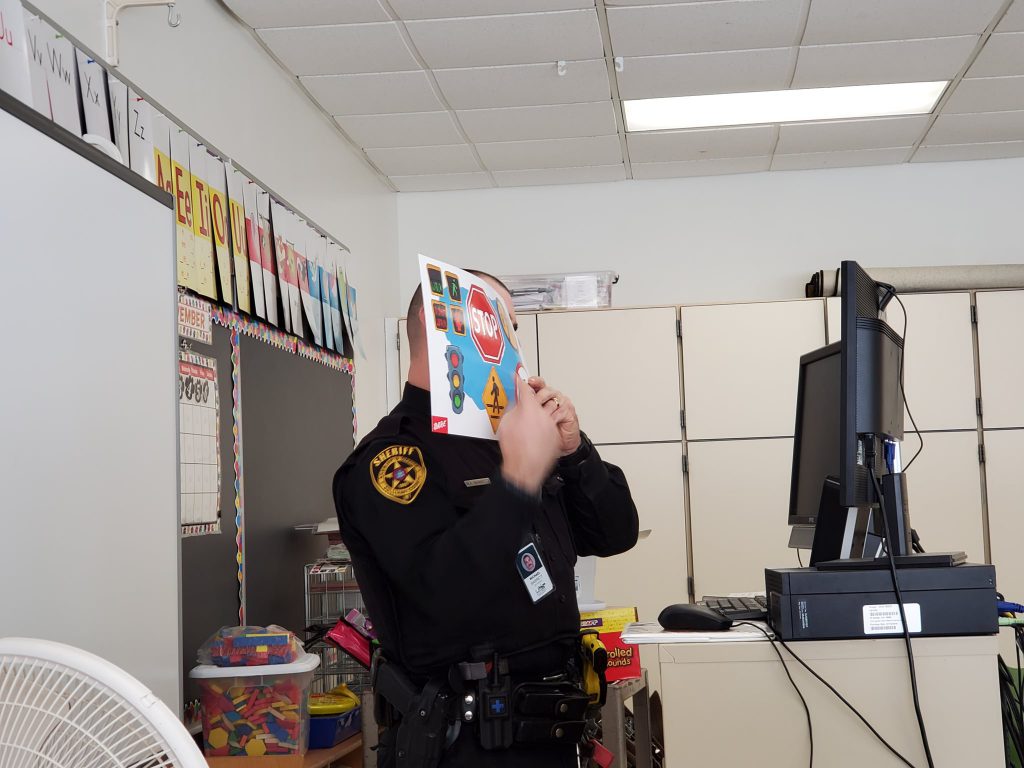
(1013, 21)
(897, 61)
(584, 175)
(691, 74)
(374, 93)
(709, 26)
(448, 9)
(952, 152)
(412, 129)
(987, 94)
(524, 85)
(861, 21)
(274, 13)
(412, 161)
(983, 127)
(747, 141)
(594, 118)
(340, 49)
(840, 159)
(700, 167)
(551, 153)
(851, 134)
(442, 181)
(527, 38)
(1002, 55)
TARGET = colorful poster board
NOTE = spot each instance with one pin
(160, 133)
(266, 255)
(35, 39)
(61, 79)
(14, 72)
(204, 277)
(247, 293)
(334, 262)
(216, 183)
(183, 207)
(285, 256)
(92, 84)
(472, 351)
(119, 115)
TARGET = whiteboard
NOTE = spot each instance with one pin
(89, 548)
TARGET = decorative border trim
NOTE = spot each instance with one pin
(236, 448)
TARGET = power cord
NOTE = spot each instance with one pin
(831, 688)
(785, 667)
(903, 391)
(903, 618)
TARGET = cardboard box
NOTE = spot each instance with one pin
(623, 660)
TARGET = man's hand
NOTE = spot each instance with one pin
(562, 411)
(530, 442)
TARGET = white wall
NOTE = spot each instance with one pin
(213, 76)
(752, 236)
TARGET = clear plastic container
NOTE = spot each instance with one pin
(256, 711)
(571, 290)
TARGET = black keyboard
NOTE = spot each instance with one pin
(739, 608)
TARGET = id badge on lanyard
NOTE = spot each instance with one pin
(533, 573)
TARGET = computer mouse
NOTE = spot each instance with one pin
(684, 617)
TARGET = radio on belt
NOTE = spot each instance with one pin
(808, 604)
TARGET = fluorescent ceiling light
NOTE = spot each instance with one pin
(790, 106)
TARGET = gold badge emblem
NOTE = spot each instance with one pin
(398, 473)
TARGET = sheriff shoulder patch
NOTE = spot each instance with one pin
(398, 473)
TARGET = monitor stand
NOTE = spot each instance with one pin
(921, 560)
(801, 537)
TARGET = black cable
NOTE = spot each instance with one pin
(785, 667)
(903, 618)
(830, 687)
(903, 391)
(849, 706)
(799, 559)
(1019, 638)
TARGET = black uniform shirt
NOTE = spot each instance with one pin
(434, 533)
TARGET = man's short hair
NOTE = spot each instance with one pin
(416, 302)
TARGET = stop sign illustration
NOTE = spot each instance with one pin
(484, 326)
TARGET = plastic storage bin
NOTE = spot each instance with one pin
(255, 711)
(327, 730)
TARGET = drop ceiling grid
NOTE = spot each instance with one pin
(444, 93)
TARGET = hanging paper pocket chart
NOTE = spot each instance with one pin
(472, 351)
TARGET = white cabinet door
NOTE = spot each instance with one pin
(620, 367)
(1004, 458)
(944, 491)
(1001, 352)
(739, 508)
(403, 352)
(938, 359)
(740, 366)
(653, 574)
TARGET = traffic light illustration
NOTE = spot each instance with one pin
(456, 384)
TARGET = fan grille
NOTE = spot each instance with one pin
(53, 716)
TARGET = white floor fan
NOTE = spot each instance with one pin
(61, 707)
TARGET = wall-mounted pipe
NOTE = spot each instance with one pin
(825, 282)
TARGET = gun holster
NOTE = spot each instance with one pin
(420, 717)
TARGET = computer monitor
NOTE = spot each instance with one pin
(816, 438)
(849, 405)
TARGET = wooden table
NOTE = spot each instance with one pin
(348, 753)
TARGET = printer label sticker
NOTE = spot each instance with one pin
(885, 619)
